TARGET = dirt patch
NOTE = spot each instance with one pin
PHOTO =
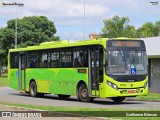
(10, 108)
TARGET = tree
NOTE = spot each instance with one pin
(157, 25)
(6, 40)
(119, 27)
(31, 31)
(130, 32)
(115, 26)
(147, 30)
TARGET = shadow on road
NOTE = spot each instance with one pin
(73, 99)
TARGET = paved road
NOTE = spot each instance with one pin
(9, 95)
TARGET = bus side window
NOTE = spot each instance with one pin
(80, 58)
(14, 60)
(42, 59)
(66, 59)
(54, 59)
(32, 60)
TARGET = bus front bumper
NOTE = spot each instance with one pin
(110, 92)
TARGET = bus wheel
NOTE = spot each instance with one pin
(63, 96)
(82, 94)
(33, 89)
(118, 99)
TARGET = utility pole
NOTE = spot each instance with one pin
(84, 24)
(16, 5)
(16, 29)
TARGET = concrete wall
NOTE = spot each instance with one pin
(154, 75)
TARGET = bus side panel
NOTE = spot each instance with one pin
(52, 80)
(42, 76)
(65, 81)
(56, 80)
(13, 78)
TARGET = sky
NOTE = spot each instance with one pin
(68, 15)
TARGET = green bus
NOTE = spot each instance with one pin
(104, 68)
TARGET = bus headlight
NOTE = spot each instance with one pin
(114, 86)
(145, 85)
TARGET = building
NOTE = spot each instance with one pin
(153, 51)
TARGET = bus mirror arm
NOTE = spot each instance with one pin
(106, 63)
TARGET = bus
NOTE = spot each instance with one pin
(104, 68)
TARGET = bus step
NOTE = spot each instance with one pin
(22, 91)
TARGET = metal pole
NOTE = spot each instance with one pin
(16, 29)
(84, 20)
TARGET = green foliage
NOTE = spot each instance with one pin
(147, 30)
(130, 32)
(6, 42)
(119, 27)
(30, 31)
(157, 25)
(115, 26)
(33, 30)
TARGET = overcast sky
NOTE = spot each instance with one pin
(68, 15)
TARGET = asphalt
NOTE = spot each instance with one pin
(8, 95)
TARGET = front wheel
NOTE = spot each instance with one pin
(82, 94)
(118, 99)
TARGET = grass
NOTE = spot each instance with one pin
(150, 97)
(3, 80)
(96, 112)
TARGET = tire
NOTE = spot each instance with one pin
(82, 94)
(118, 99)
(33, 90)
(63, 96)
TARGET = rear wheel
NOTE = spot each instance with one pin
(63, 96)
(33, 90)
(82, 94)
(118, 99)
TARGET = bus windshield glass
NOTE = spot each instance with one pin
(126, 62)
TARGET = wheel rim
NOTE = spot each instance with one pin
(33, 90)
(84, 93)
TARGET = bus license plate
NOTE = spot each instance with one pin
(131, 91)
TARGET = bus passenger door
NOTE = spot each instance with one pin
(22, 72)
(94, 71)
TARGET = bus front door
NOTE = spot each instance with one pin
(22, 72)
(94, 74)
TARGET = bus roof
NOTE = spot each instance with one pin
(67, 43)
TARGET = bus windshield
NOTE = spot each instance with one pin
(126, 62)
